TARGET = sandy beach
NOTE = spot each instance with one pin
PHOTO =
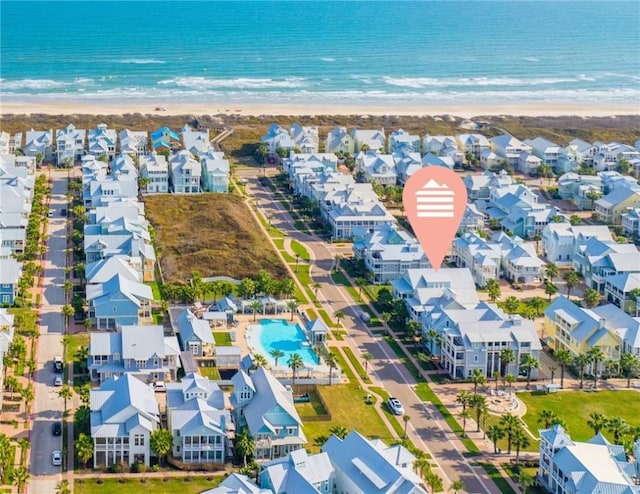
(463, 111)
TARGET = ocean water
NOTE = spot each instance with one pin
(343, 52)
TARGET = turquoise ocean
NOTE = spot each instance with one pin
(342, 52)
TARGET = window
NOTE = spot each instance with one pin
(138, 439)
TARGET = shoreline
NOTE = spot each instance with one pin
(217, 108)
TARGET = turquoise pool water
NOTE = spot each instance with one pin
(287, 337)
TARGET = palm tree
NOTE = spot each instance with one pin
(618, 427)
(463, 398)
(477, 377)
(552, 370)
(509, 423)
(68, 311)
(295, 362)
(276, 354)
(520, 440)
(597, 422)
(316, 286)
(422, 466)
(255, 306)
(596, 355)
(493, 289)
(27, 396)
(457, 485)
(339, 431)
(629, 364)
(536, 238)
(510, 378)
(547, 418)
(245, 445)
(367, 357)
(572, 280)
(526, 480)
(581, 362)
(591, 298)
(552, 271)
(479, 404)
(506, 357)
(511, 304)
(63, 487)
(66, 393)
(564, 358)
(84, 448)
(405, 419)
(293, 305)
(319, 441)
(339, 316)
(433, 481)
(529, 362)
(19, 477)
(550, 289)
(259, 360)
(332, 363)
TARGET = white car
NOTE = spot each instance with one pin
(395, 406)
(57, 381)
(56, 458)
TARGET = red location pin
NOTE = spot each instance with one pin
(435, 199)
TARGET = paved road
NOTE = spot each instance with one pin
(48, 406)
(427, 433)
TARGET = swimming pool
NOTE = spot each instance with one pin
(279, 334)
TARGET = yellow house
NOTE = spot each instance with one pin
(613, 205)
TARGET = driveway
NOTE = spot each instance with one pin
(427, 431)
(47, 406)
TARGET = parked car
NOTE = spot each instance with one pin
(395, 406)
(57, 429)
(56, 458)
(51, 213)
(57, 364)
(57, 381)
(159, 386)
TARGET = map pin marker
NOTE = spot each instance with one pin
(435, 199)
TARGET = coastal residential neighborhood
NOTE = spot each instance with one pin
(354, 367)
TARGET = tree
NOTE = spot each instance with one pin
(511, 304)
(618, 427)
(552, 271)
(433, 481)
(319, 441)
(463, 398)
(529, 362)
(19, 477)
(479, 404)
(564, 358)
(5, 454)
(63, 487)
(629, 364)
(477, 378)
(332, 363)
(572, 280)
(27, 396)
(506, 357)
(623, 166)
(84, 448)
(316, 286)
(247, 288)
(575, 220)
(493, 289)
(405, 419)
(161, 442)
(550, 289)
(597, 421)
(581, 362)
(510, 378)
(84, 393)
(520, 440)
(65, 393)
(596, 355)
(339, 431)
(67, 311)
(547, 418)
(259, 361)
(256, 306)
(276, 354)
(457, 485)
(509, 423)
(245, 445)
(295, 362)
(593, 195)
(339, 316)
(293, 305)
(525, 480)
(367, 357)
(591, 298)
(360, 282)
(536, 303)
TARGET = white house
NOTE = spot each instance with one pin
(402, 142)
(475, 144)
(378, 167)
(186, 173)
(560, 241)
(70, 144)
(196, 141)
(102, 142)
(124, 413)
(133, 142)
(154, 169)
(374, 139)
(39, 142)
(509, 148)
(304, 138)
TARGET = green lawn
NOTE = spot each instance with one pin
(155, 289)
(25, 318)
(301, 250)
(222, 338)
(339, 278)
(152, 486)
(355, 363)
(279, 242)
(574, 408)
(157, 315)
(326, 319)
(210, 372)
(496, 476)
(75, 342)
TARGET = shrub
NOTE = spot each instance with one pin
(138, 468)
(118, 468)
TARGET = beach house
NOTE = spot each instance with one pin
(304, 138)
(476, 144)
(581, 190)
(154, 172)
(10, 142)
(547, 151)
(406, 165)
(567, 466)
(201, 427)
(623, 290)
(614, 204)
(631, 223)
(380, 168)
(278, 138)
(402, 142)
(70, 144)
(185, 173)
(39, 142)
(443, 147)
(596, 260)
(7, 330)
(299, 472)
(195, 335)
(509, 149)
(215, 172)
(124, 413)
(265, 407)
(369, 140)
(197, 142)
(102, 142)
(340, 141)
(165, 140)
(133, 142)
(388, 252)
(10, 274)
(560, 241)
